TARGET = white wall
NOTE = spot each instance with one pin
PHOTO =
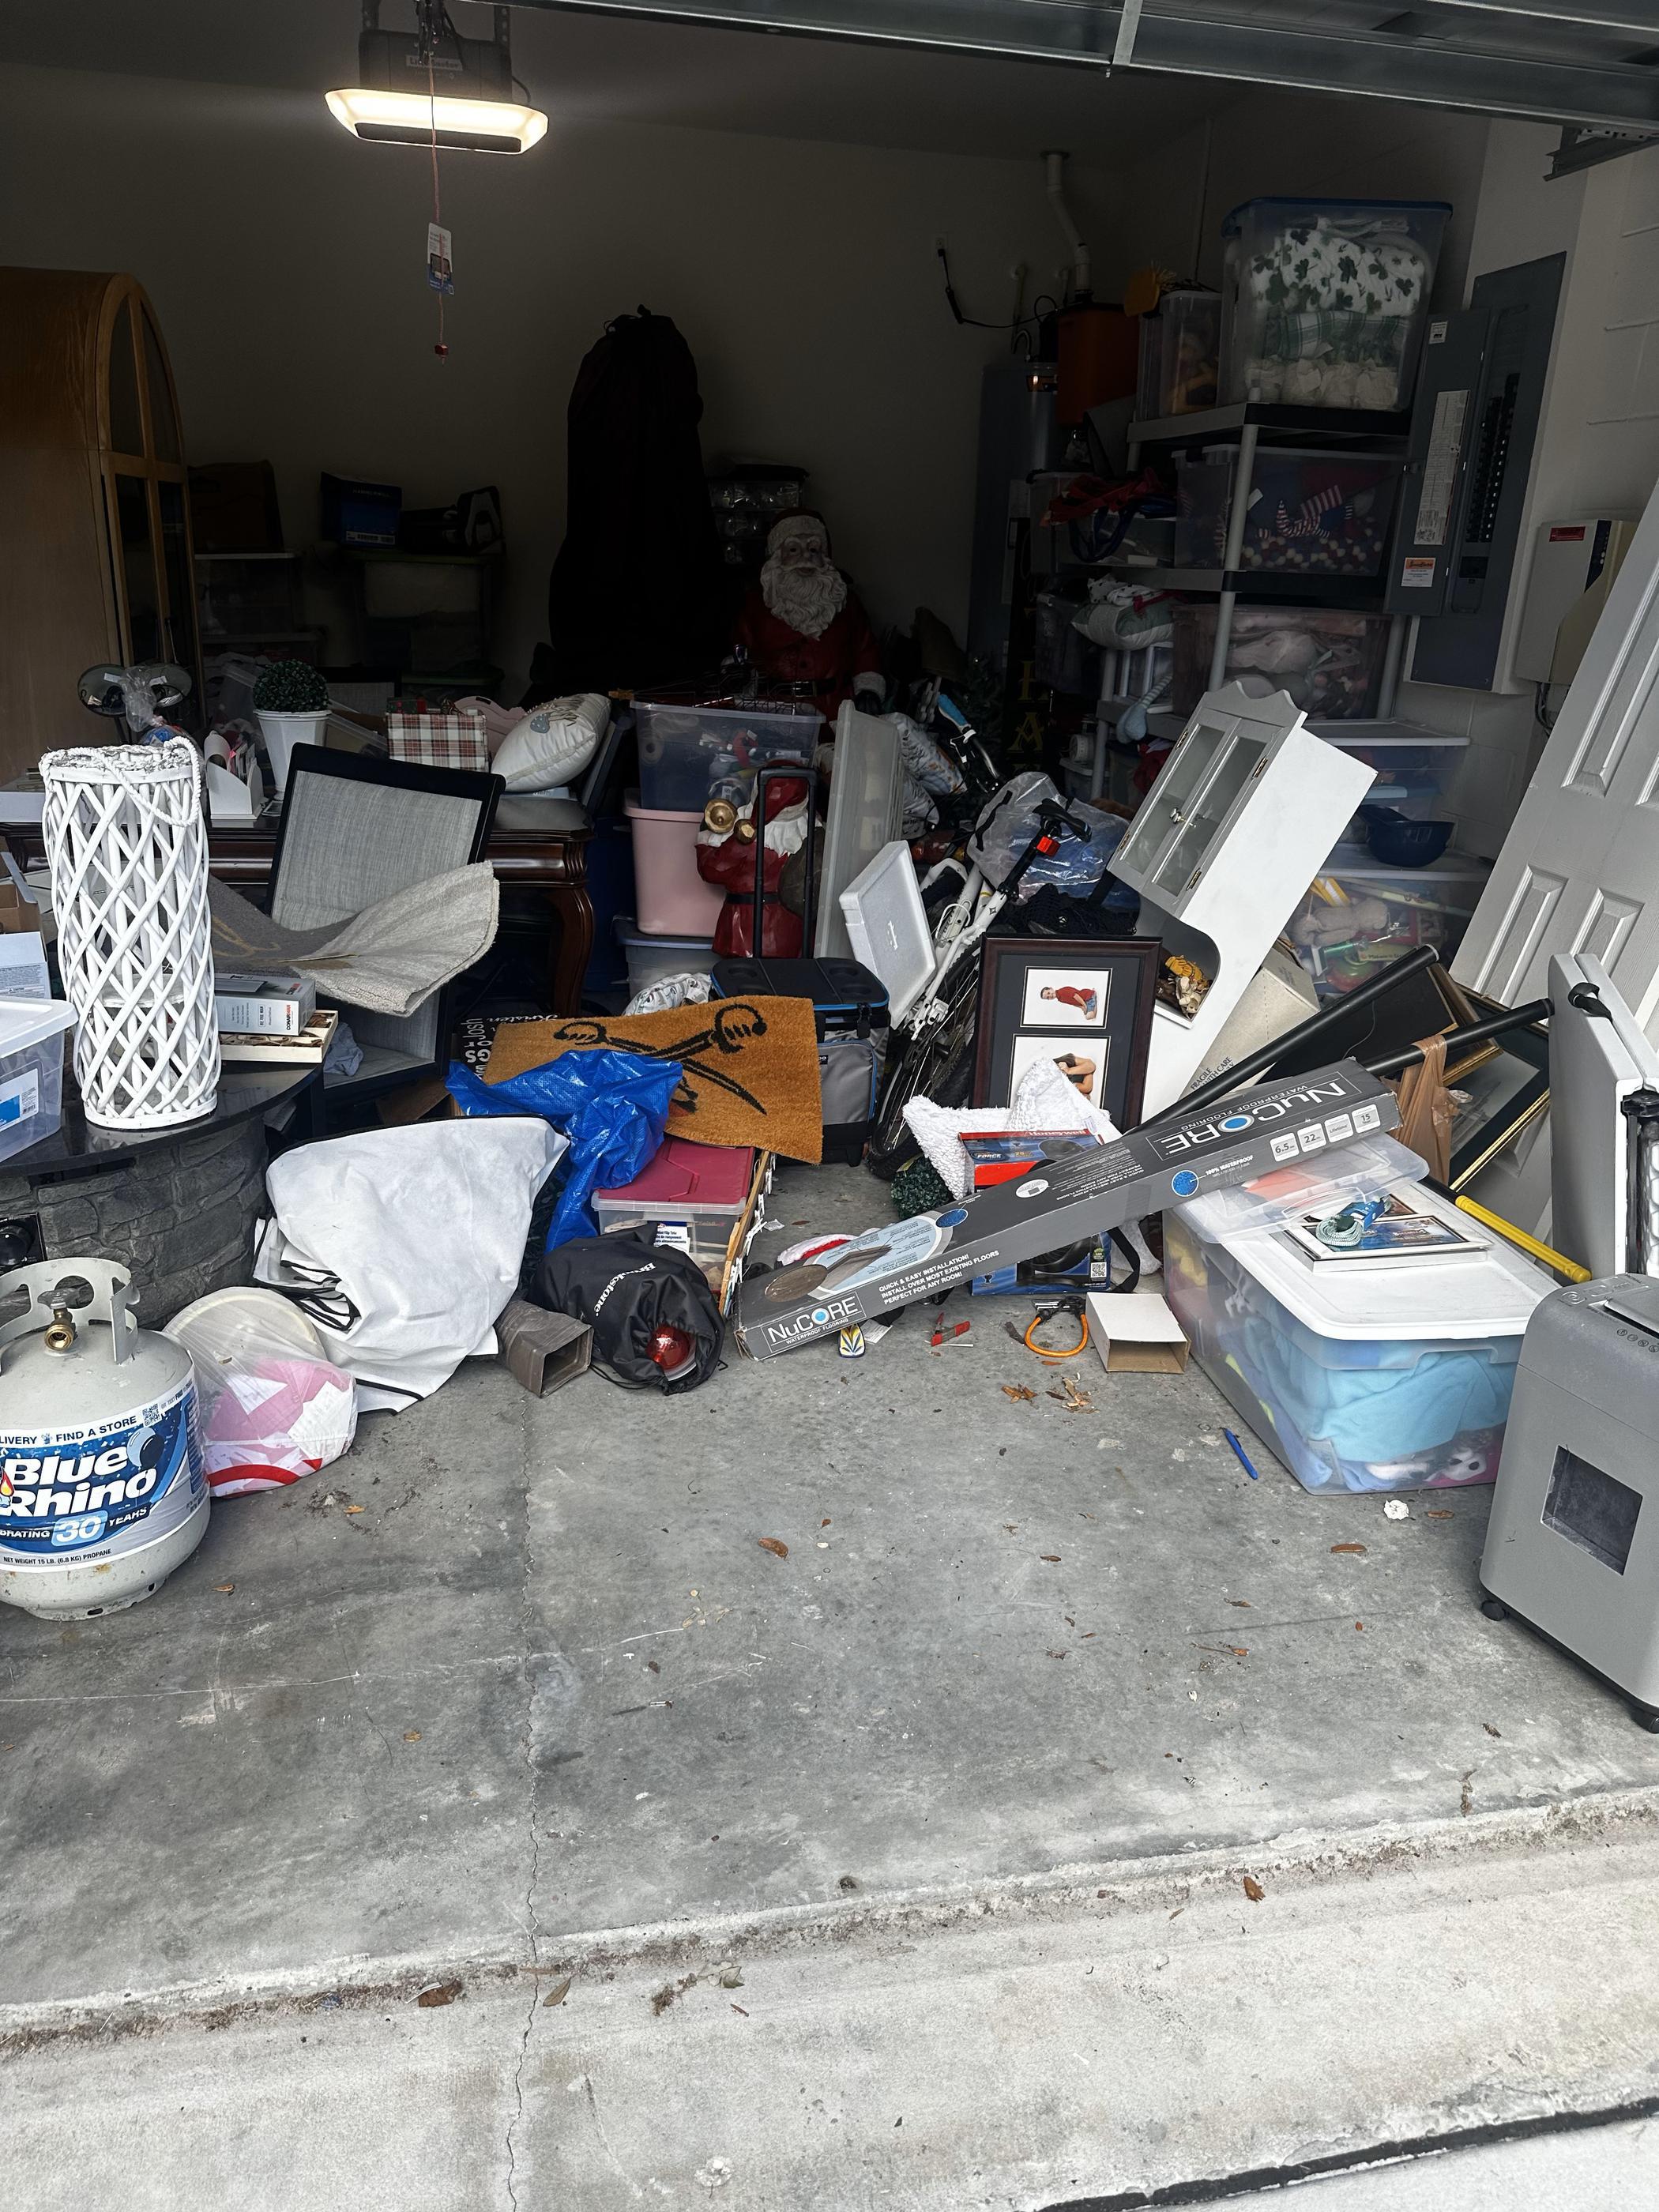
(1598, 446)
(286, 262)
(1172, 204)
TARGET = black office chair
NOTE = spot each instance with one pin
(354, 830)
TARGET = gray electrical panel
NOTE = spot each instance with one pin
(1474, 424)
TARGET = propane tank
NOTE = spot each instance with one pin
(102, 1493)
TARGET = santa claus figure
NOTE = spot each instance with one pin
(726, 856)
(805, 633)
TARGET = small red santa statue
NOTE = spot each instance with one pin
(726, 856)
(805, 633)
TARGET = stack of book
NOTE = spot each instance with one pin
(271, 1021)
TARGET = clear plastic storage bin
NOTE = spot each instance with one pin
(684, 749)
(1329, 661)
(1309, 514)
(1180, 356)
(32, 1032)
(690, 1196)
(650, 958)
(1375, 1380)
(1325, 301)
(1413, 779)
(1381, 913)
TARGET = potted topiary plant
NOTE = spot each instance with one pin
(291, 701)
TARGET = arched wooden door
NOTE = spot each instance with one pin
(94, 522)
(147, 512)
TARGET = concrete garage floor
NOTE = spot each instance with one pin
(514, 1695)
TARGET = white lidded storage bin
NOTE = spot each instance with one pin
(684, 749)
(650, 958)
(1370, 1379)
(32, 1032)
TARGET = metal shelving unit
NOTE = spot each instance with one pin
(1247, 424)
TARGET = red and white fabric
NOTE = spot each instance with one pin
(453, 740)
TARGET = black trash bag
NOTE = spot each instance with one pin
(625, 1291)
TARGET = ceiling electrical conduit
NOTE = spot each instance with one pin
(1054, 165)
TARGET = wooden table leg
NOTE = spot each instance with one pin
(568, 959)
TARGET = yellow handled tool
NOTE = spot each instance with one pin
(1532, 1246)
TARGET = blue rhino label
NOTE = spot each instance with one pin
(102, 1489)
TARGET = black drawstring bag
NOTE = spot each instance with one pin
(625, 1291)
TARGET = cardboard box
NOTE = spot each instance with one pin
(1136, 1334)
(1179, 1157)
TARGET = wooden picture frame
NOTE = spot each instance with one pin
(1090, 999)
(1509, 1082)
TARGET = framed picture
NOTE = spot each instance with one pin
(1085, 1004)
(1499, 1088)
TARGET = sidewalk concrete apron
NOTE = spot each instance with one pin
(545, 1708)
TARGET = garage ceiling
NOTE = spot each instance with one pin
(1586, 62)
(645, 69)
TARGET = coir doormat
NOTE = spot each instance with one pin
(750, 1066)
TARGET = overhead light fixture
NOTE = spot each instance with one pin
(416, 87)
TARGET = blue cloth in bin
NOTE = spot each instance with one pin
(612, 1105)
(1375, 1414)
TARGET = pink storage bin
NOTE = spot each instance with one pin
(671, 899)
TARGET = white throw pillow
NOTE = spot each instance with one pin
(554, 743)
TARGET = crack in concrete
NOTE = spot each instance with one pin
(533, 1807)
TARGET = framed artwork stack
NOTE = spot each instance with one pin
(1085, 1003)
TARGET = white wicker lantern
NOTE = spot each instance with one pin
(127, 847)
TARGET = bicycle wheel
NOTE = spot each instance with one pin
(939, 1064)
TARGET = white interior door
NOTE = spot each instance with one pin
(1579, 871)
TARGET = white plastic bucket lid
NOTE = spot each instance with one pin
(228, 1325)
(24, 1022)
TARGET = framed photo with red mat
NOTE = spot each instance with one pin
(1085, 1003)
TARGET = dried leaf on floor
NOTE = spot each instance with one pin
(224, 1589)
(738, 2008)
(1056, 1654)
(438, 1993)
(1019, 1392)
(732, 1979)
(1253, 1889)
(1244, 1601)
(670, 1993)
(652, 1668)
(1438, 1513)
(1347, 1547)
(411, 1735)
(1491, 1730)
(558, 1993)
(1050, 1559)
(354, 1509)
(776, 1545)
